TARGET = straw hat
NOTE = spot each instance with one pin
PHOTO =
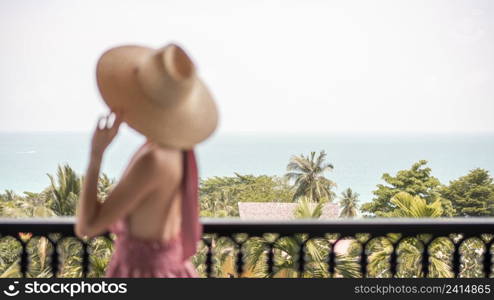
(159, 94)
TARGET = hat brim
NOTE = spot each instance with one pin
(181, 126)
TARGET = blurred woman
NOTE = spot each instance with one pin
(153, 209)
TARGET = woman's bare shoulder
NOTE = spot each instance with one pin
(160, 161)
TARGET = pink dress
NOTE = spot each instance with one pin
(136, 257)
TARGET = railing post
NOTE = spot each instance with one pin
(85, 259)
(270, 260)
(393, 260)
(54, 257)
(332, 258)
(209, 256)
(363, 258)
(24, 257)
(425, 259)
(239, 264)
(301, 258)
(488, 259)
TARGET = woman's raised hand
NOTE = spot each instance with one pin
(105, 132)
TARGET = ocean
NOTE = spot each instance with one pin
(359, 159)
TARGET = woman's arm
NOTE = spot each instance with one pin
(88, 204)
(142, 178)
(94, 217)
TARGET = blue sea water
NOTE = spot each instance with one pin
(359, 159)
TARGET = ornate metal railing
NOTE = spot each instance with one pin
(371, 247)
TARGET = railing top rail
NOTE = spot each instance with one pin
(228, 226)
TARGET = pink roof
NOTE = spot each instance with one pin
(280, 210)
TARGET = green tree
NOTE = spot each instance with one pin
(408, 206)
(105, 185)
(348, 203)
(308, 209)
(308, 176)
(9, 195)
(32, 205)
(220, 195)
(472, 194)
(64, 191)
(417, 181)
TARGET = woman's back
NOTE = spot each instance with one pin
(157, 215)
(159, 245)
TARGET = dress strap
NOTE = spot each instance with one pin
(191, 227)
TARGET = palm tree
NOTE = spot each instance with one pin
(308, 174)
(8, 196)
(63, 196)
(348, 203)
(408, 206)
(410, 249)
(308, 209)
(286, 251)
(105, 185)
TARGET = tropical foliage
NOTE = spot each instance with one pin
(308, 176)
(412, 193)
(64, 191)
(307, 209)
(408, 206)
(417, 181)
(348, 203)
(472, 194)
(59, 199)
(219, 195)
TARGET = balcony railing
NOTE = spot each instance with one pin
(457, 245)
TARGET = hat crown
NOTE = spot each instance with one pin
(166, 76)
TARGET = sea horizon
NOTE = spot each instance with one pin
(359, 158)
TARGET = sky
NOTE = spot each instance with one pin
(273, 66)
